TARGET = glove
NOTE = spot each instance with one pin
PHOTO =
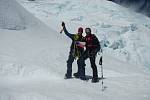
(63, 24)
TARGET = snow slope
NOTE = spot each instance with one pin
(25, 46)
(124, 33)
(9, 18)
(33, 64)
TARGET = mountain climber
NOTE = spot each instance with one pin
(76, 49)
(92, 48)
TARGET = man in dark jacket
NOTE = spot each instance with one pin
(76, 50)
(92, 47)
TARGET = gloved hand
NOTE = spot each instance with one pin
(63, 24)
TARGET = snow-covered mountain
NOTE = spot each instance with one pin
(33, 53)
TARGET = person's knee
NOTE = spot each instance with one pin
(81, 62)
(70, 60)
(69, 69)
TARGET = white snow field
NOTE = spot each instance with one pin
(33, 53)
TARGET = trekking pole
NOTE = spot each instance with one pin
(101, 63)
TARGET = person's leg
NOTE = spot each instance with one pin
(76, 75)
(94, 68)
(69, 66)
(79, 70)
(81, 65)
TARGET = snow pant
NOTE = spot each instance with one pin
(70, 60)
(81, 63)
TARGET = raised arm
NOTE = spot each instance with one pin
(66, 31)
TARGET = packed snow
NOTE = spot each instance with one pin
(33, 53)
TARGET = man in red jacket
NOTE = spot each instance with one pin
(92, 47)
